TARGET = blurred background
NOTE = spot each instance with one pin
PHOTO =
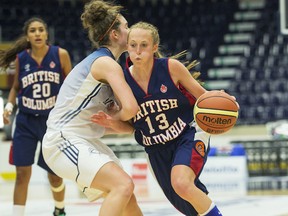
(242, 48)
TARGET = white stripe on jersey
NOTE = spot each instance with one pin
(77, 102)
(72, 113)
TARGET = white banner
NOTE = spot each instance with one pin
(227, 174)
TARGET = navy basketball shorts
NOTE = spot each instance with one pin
(190, 149)
(29, 131)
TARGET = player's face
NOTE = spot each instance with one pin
(37, 34)
(140, 46)
(123, 29)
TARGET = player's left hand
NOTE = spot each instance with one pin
(103, 119)
(234, 98)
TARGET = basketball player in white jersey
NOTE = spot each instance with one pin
(71, 145)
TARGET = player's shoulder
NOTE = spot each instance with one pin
(174, 62)
(106, 61)
(103, 66)
(175, 66)
(62, 51)
(63, 54)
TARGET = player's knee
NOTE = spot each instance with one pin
(23, 176)
(181, 185)
(55, 181)
(126, 187)
(58, 188)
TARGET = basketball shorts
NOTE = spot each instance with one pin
(76, 158)
(28, 133)
(190, 149)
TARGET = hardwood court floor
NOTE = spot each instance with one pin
(40, 203)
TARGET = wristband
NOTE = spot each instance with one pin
(9, 107)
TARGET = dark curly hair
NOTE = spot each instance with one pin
(99, 18)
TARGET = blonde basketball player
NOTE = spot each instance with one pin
(71, 146)
(176, 147)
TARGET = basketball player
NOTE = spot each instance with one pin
(71, 146)
(41, 69)
(177, 148)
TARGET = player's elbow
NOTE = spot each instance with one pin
(129, 111)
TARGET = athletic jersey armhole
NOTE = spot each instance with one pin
(17, 68)
(59, 57)
(18, 64)
(169, 72)
(182, 89)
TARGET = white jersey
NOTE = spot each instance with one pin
(71, 143)
(81, 96)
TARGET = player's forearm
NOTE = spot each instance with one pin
(120, 127)
(12, 96)
(124, 115)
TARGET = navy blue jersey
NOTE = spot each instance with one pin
(164, 112)
(39, 84)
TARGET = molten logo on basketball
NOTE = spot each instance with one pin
(216, 112)
(217, 120)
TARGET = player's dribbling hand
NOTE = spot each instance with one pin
(234, 98)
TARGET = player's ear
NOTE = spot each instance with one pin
(114, 34)
(47, 37)
(155, 48)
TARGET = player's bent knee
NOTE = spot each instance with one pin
(180, 185)
(54, 179)
(59, 188)
(126, 187)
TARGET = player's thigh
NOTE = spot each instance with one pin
(110, 176)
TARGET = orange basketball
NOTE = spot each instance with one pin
(215, 112)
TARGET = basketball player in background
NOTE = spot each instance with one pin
(40, 71)
(177, 148)
(71, 146)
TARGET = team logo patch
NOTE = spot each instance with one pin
(52, 64)
(200, 148)
(163, 88)
(27, 67)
